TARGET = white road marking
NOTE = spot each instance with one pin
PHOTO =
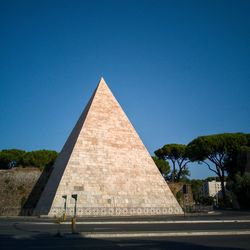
(135, 244)
(163, 234)
(22, 236)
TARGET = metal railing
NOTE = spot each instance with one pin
(197, 208)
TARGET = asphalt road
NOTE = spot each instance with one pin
(175, 243)
(39, 228)
(42, 233)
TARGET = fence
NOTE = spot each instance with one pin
(197, 208)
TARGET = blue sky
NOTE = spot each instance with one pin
(179, 69)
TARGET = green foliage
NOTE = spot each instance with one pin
(170, 151)
(177, 155)
(237, 161)
(215, 147)
(179, 196)
(240, 186)
(16, 158)
(207, 201)
(11, 158)
(40, 158)
(217, 150)
(248, 140)
(162, 165)
(214, 178)
(196, 189)
(242, 156)
(183, 174)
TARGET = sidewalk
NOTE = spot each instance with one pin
(214, 215)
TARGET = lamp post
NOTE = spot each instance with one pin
(65, 206)
(74, 196)
(73, 221)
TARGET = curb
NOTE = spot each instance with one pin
(156, 222)
(161, 234)
(135, 222)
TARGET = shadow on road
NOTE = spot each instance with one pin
(46, 241)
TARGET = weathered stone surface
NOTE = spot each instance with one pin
(106, 164)
(15, 187)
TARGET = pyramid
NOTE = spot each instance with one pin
(105, 163)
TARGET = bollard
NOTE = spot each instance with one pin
(73, 225)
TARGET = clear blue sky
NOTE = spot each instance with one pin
(179, 69)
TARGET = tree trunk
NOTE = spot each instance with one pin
(223, 190)
(178, 177)
(173, 173)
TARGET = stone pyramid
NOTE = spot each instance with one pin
(106, 164)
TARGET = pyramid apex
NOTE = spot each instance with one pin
(102, 80)
(102, 84)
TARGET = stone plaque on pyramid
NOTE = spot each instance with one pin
(105, 163)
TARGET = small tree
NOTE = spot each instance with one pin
(11, 158)
(196, 186)
(237, 162)
(162, 165)
(238, 179)
(177, 155)
(215, 151)
(40, 158)
(240, 185)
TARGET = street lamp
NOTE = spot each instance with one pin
(74, 196)
(65, 206)
(65, 201)
(73, 221)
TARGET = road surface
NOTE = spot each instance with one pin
(229, 230)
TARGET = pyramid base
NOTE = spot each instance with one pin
(111, 211)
